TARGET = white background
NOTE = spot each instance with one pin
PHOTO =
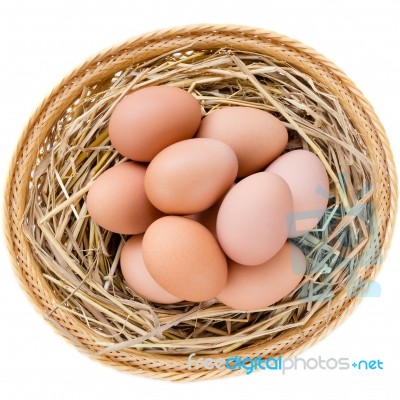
(41, 41)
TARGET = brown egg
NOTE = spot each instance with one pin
(184, 258)
(190, 176)
(256, 136)
(150, 119)
(254, 218)
(116, 201)
(137, 276)
(257, 287)
(308, 181)
(208, 218)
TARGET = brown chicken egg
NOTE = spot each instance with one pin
(208, 218)
(249, 289)
(184, 258)
(190, 176)
(308, 181)
(150, 119)
(137, 276)
(257, 137)
(254, 218)
(116, 201)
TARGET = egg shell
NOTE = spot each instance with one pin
(308, 181)
(255, 288)
(137, 276)
(208, 218)
(254, 217)
(150, 119)
(117, 201)
(256, 136)
(184, 258)
(190, 176)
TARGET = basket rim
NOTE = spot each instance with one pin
(210, 29)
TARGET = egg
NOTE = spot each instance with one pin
(117, 201)
(254, 218)
(256, 136)
(150, 119)
(255, 288)
(208, 218)
(137, 276)
(190, 176)
(308, 181)
(184, 258)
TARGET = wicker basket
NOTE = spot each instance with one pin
(39, 269)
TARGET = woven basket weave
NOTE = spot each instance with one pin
(139, 50)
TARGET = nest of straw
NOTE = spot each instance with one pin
(70, 266)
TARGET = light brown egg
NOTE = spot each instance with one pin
(308, 181)
(208, 218)
(184, 258)
(116, 201)
(254, 217)
(150, 119)
(190, 176)
(137, 276)
(256, 136)
(255, 288)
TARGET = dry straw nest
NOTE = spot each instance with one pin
(69, 266)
